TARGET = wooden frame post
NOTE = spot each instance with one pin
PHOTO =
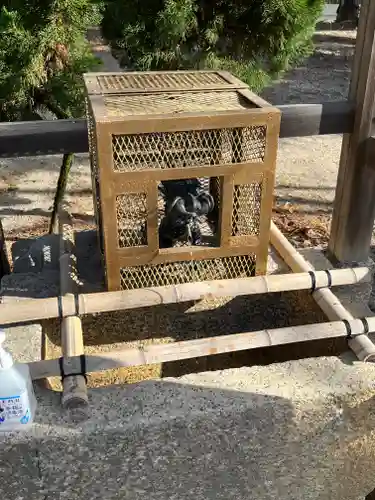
(354, 207)
(74, 393)
(4, 262)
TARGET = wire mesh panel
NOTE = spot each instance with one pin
(144, 104)
(188, 148)
(246, 209)
(160, 81)
(175, 273)
(131, 215)
(183, 175)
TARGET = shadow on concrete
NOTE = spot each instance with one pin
(169, 440)
(154, 440)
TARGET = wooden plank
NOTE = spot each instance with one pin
(225, 213)
(43, 137)
(188, 253)
(109, 228)
(303, 120)
(123, 181)
(64, 136)
(162, 353)
(354, 208)
(172, 122)
(267, 196)
(38, 309)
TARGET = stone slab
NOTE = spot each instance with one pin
(301, 429)
(24, 342)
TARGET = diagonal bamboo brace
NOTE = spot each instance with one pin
(362, 346)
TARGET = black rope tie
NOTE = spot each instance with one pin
(76, 303)
(60, 307)
(64, 375)
(329, 278)
(366, 327)
(348, 329)
(313, 281)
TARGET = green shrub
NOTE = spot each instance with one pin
(254, 39)
(43, 53)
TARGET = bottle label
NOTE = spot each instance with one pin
(15, 409)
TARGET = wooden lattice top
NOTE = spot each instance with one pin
(176, 103)
(173, 100)
(160, 81)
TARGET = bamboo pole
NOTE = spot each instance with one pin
(67, 305)
(74, 387)
(362, 346)
(162, 353)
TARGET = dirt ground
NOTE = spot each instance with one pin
(305, 184)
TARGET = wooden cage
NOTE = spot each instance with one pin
(156, 133)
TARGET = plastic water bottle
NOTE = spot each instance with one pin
(17, 397)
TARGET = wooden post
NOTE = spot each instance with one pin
(74, 386)
(354, 207)
(4, 262)
(348, 11)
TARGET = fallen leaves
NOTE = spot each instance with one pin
(302, 229)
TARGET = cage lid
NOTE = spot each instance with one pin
(160, 81)
(174, 103)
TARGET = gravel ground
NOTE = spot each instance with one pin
(307, 167)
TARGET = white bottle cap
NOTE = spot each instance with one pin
(6, 360)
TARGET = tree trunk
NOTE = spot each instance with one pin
(348, 10)
(66, 165)
(60, 189)
(4, 262)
